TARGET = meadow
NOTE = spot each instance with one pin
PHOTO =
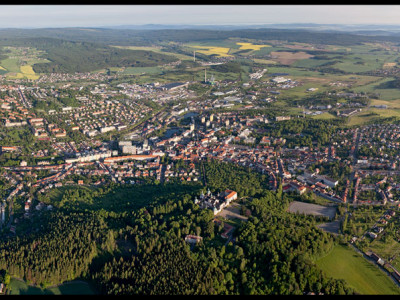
(367, 279)
(19, 287)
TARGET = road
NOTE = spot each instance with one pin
(356, 143)
(23, 99)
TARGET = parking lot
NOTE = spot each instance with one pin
(312, 209)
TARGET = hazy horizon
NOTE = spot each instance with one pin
(62, 16)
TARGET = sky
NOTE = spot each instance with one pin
(39, 16)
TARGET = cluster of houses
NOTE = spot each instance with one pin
(95, 117)
(65, 77)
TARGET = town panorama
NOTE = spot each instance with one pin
(199, 161)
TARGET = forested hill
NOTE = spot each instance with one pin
(72, 56)
(146, 37)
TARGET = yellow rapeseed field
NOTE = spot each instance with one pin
(27, 69)
(28, 72)
(209, 50)
(245, 46)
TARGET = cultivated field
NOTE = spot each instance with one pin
(287, 58)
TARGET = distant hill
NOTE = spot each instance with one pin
(150, 34)
(88, 49)
(73, 56)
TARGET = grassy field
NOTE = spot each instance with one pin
(294, 71)
(370, 114)
(10, 64)
(352, 63)
(309, 63)
(376, 87)
(367, 279)
(142, 70)
(19, 287)
(157, 50)
(390, 104)
(362, 118)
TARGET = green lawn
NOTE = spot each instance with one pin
(367, 279)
